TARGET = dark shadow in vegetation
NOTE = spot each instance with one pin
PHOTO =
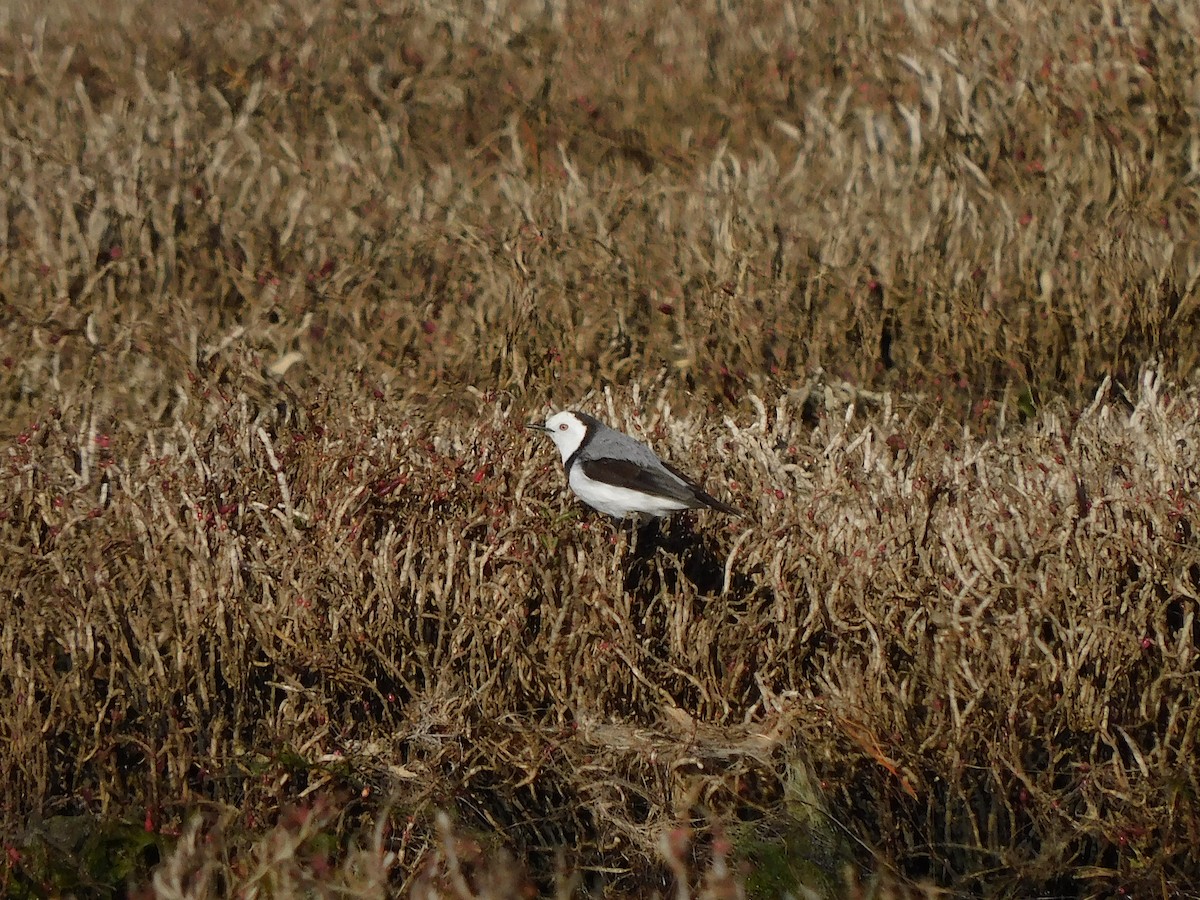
(688, 555)
(82, 855)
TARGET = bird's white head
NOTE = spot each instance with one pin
(567, 431)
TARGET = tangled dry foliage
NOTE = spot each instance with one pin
(291, 605)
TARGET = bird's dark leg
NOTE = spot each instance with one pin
(640, 577)
(646, 533)
(643, 532)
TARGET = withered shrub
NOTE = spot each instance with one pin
(289, 601)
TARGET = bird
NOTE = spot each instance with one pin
(618, 475)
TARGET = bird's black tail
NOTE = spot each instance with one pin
(712, 502)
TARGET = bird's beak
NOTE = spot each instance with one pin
(533, 426)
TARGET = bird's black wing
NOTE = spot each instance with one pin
(703, 498)
(626, 474)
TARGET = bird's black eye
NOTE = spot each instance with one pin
(562, 427)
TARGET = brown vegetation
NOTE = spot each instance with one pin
(290, 603)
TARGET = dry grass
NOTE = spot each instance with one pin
(292, 605)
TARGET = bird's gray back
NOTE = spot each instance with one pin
(606, 442)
